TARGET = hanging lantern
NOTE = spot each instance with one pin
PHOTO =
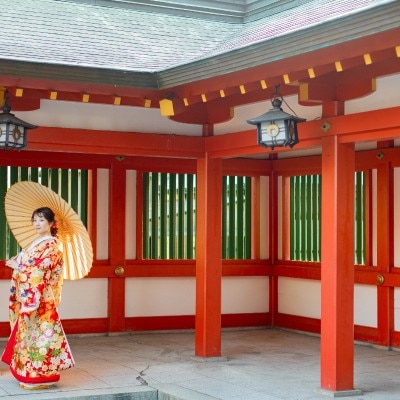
(13, 131)
(276, 128)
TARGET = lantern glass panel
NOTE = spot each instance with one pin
(272, 133)
(12, 136)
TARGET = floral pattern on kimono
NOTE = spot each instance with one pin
(37, 349)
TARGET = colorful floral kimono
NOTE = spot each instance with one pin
(37, 348)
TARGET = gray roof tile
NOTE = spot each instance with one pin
(84, 34)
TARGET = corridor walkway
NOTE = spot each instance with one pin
(260, 364)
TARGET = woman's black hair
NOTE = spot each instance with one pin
(47, 213)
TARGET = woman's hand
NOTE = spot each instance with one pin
(12, 263)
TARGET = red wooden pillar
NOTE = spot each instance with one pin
(273, 245)
(337, 266)
(208, 257)
(385, 250)
(116, 285)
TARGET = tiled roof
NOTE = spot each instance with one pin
(125, 40)
(70, 33)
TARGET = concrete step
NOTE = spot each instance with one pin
(174, 392)
(125, 393)
(161, 392)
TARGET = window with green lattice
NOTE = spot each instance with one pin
(305, 218)
(70, 184)
(169, 216)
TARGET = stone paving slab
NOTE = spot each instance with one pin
(258, 364)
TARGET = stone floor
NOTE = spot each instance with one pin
(260, 364)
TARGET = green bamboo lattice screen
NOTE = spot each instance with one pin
(305, 218)
(169, 216)
(70, 184)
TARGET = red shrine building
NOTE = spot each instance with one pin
(142, 116)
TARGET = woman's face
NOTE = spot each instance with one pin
(41, 225)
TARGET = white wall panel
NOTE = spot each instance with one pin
(102, 213)
(176, 296)
(4, 295)
(159, 296)
(85, 298)
(365, 305)
(245, 294)
(130, 219)
(300, 297)
(385, 96)
(397, 309)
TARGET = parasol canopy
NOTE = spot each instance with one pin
(23, 198)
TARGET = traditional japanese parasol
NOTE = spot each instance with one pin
(23, 198)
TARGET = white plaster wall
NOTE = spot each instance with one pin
(159, 296)
(4, 295)
(300, 297)
(177, 296)
(84, 298)
(397, 309)
(385, 96)
(264, 218)
(365, 305)
(396, 216)
(79, 115)
(130, 215)
(102, 214)
(245, 294)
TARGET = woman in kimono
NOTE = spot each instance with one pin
(37, 349)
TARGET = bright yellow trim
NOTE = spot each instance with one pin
(367, 59)
(338, 66)
(166, 107)
(303, 92)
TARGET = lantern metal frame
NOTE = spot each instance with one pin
(13, 131)
(276, 128)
